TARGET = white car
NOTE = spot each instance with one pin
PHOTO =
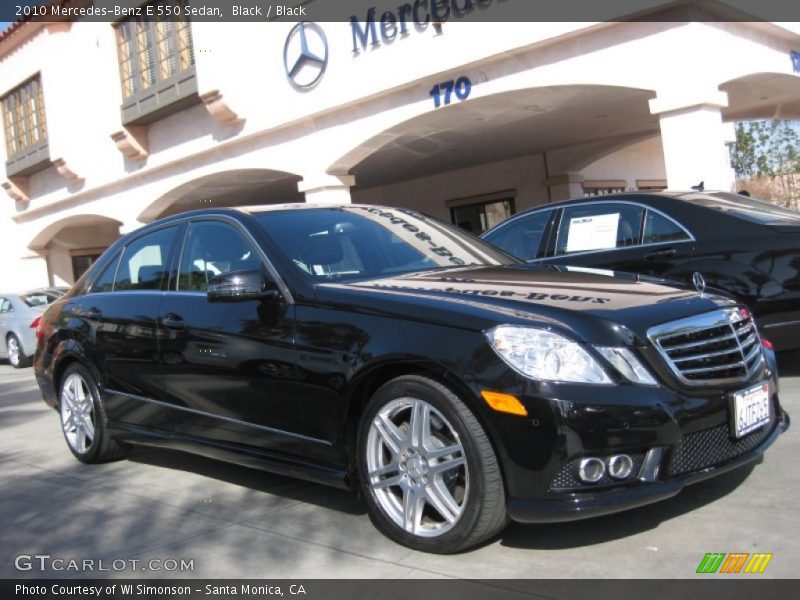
(19, 317)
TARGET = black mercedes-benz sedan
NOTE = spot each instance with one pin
(391, 353)
(745, 247)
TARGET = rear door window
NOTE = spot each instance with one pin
(659, 229)
(38, 298)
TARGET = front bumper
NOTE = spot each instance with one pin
(689, 428)
(594, 504)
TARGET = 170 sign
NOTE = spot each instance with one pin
(442, 93)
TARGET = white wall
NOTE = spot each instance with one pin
(643, 160)
(525, 176)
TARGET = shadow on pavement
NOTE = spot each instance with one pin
(107, 511)
(252, 479)
(558, 536)
(546, 536)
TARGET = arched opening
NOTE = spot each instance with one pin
(476, 161)
(241, 187)
(766, 96)
(71, 245)
(762, 96)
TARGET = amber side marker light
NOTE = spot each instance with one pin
(505, 403)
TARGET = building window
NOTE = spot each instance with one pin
(476, 215)
(602, 188)
(156, 63)
(651, 185)
(26, 129)
(82, 262)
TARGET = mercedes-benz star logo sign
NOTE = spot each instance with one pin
(699, 282)
(305, 55)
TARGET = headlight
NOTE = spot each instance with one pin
(628, 365)
(541, 354)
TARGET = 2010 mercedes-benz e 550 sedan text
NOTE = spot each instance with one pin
(386, 351)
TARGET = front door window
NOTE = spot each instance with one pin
(593, 227)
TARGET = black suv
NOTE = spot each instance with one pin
(388, 352)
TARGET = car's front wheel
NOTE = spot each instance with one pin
(428, 471)
(83, 418)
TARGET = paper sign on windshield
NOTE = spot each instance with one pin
(593, 233)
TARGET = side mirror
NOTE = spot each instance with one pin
(241, 286)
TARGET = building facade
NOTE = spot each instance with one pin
(112, 125)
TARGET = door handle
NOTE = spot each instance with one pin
(94, 314)
(173, 321)
(659, 254)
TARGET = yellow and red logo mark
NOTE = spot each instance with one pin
(735, 562)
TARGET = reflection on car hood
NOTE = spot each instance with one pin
(573, 290)
(575, 299)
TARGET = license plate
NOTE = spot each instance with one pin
(750, 409)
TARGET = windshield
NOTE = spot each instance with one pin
(363, 242)
(751, 209)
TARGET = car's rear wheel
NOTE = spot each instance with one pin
(16, 355)
(83, 418)
(428, 471)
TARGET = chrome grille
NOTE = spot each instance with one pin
(713, 348)
(715, 446)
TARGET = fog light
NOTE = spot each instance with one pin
(620, 466)
(591, 470)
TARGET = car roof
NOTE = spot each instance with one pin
(683, 196)
(311, 206)
(234, 211)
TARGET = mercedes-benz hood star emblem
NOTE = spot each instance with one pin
(699, 282)
(305, 55)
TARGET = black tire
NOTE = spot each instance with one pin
(103, 448)
(22, 360)
(484, 510)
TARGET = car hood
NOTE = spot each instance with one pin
(593, 306)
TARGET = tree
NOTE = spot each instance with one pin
(766, 158)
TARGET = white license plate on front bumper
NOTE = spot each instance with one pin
(750, 409)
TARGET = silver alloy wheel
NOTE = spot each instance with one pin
(13, 351)
(77, 413)
(417, 467)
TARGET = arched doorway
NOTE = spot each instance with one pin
(242, 187)
(762, 96)
(475, 162)
(70, 245)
